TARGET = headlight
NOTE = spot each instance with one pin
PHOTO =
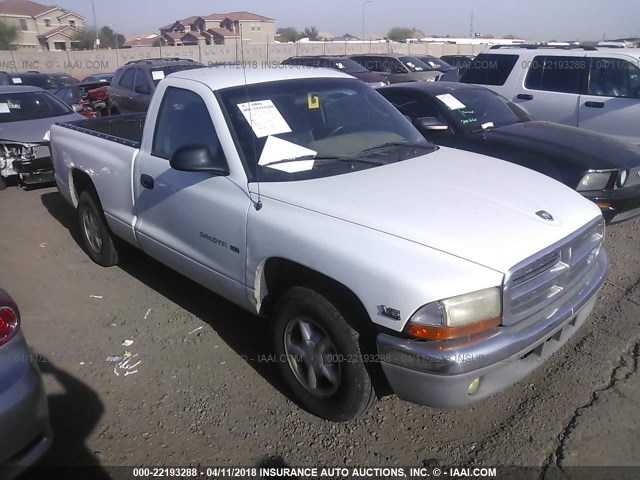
(595, 181)
(622, 177)
(459, 316)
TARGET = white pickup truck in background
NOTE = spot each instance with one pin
(305, 197)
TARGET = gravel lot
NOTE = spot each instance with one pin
(196, 385)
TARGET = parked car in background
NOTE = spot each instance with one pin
(343, 64)
(33, 79)
(26, 114)
(63, 80)
(455, 274)
(473, 118)
(132, 85)
(91, 97)
(98, 77)
(396, 68)
(587, 87)
(435, 63)
(25, 431)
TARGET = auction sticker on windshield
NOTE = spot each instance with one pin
(4, 108)
(450, 101)
(264, 118)
(157, 75)
(277, 150)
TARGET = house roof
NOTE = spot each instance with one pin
(67, 13)
(25, 8)
(140, 42)
(222, 32)
(60, 29)
(174, 35)
(215, 16)
(235, 16)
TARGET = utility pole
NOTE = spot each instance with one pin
(471, 26)
(95, 23)
(364, 5)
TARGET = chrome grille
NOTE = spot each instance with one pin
(540, 281)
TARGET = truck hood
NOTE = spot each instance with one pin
(468, 205)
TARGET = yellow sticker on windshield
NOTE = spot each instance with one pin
(313, 100)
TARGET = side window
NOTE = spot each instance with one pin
(369, 63)
(183, 120)
(128, 79)
(411, 106)
(556, 73)
(614, 77)
(489, 69)
(141, 84)
(397, 66)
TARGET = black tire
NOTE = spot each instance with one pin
(98, 239)
(112, 111)
(3, 183)
(343, 387)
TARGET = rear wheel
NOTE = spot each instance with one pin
(320, 356)
(98, 240)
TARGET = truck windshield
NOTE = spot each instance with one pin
(15, 107)
(310, 128)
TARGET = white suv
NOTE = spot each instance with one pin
(593, 88)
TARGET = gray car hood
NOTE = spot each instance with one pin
(28, 131)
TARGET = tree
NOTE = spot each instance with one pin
(288, 34)
(110, 39)
(399, 34)
(159, 42)
(311, 33)
(8, 35)
(84, 39)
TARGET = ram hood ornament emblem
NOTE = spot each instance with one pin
(545, 215)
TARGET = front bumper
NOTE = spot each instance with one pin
(25, 431)
(438, 373)
(617, 205)
(32, 170)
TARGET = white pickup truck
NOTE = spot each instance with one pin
(303, 196)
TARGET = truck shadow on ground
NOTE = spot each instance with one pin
(74, 413)
(229, 321)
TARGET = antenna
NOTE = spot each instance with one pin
(258, 204)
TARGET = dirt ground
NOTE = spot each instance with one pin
(196, 387)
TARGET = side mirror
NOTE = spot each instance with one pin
(198, 159)
(430, 124)
(77, 107)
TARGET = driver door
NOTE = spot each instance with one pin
(194, 222)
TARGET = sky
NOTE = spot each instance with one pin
(532, 20)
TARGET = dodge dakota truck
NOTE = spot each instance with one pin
(382, 261)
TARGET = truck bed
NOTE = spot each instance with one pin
(124, 129)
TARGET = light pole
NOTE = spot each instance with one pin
(95, 23)
(364, 5)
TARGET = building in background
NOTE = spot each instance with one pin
(41, 27)
(219, 29)
(142, 40)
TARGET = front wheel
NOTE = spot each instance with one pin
(320, 356)
(98, 240)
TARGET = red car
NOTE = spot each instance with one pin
(88, 99)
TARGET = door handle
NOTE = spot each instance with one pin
(525, 96)
(146, 181)
(594, 104)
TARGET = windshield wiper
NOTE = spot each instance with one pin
(396, 144)
(325, 157)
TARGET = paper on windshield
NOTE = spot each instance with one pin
(16, 80)
(450, 101)
(265, 119)
(4, 108)
(47, 136)
(157, 75)
(340, 65)
(276, 150)
(484, 126)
